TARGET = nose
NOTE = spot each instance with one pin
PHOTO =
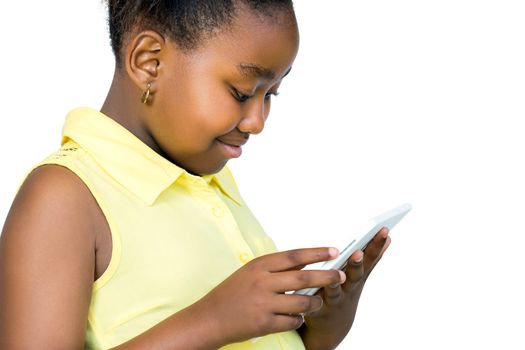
(254, 118)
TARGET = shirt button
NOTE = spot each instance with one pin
(244, 257)
(218, 212)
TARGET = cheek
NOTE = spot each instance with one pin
(225, 115)
(212, 107)
(198, 110)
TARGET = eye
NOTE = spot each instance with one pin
(269, 94)
(239, 96)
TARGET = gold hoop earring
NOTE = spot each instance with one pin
(145, 96)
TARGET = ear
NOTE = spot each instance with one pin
(142, 58)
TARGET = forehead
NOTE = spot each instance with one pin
(249, 25)
(262, 45)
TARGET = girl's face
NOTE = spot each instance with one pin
(207, 102)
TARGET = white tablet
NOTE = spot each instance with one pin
(364, 234)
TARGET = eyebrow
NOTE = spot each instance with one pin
(255, 70)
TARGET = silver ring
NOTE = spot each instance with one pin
(302, 316)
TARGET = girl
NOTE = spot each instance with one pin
(133, 235)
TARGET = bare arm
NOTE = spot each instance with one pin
(47, 259)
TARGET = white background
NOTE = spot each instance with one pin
(389, 101)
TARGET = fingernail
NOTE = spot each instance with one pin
(343, 277)
(334, 252)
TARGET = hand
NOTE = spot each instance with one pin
(252, 301)
(327, 327)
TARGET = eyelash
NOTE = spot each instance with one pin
(241, 97)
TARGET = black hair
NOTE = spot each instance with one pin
(186, 22)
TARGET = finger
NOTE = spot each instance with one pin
(294, 304)
(333, 294)
(294, 280)
(371, 261)
(355, 270)
(387, 244)
(291, 259)
(296, 268)
(286, 322)
(375, 246)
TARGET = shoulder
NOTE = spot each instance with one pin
(52, 205)
(53, 190)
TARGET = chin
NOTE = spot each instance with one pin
(209, 169)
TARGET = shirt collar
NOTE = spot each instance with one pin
(128, 160)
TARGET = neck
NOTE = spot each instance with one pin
(123, 105)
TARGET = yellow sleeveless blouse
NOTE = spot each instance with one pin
(175, 236)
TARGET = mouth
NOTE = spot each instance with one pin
(231, 150)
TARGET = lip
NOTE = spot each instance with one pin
(233, 140)
(231, 150)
